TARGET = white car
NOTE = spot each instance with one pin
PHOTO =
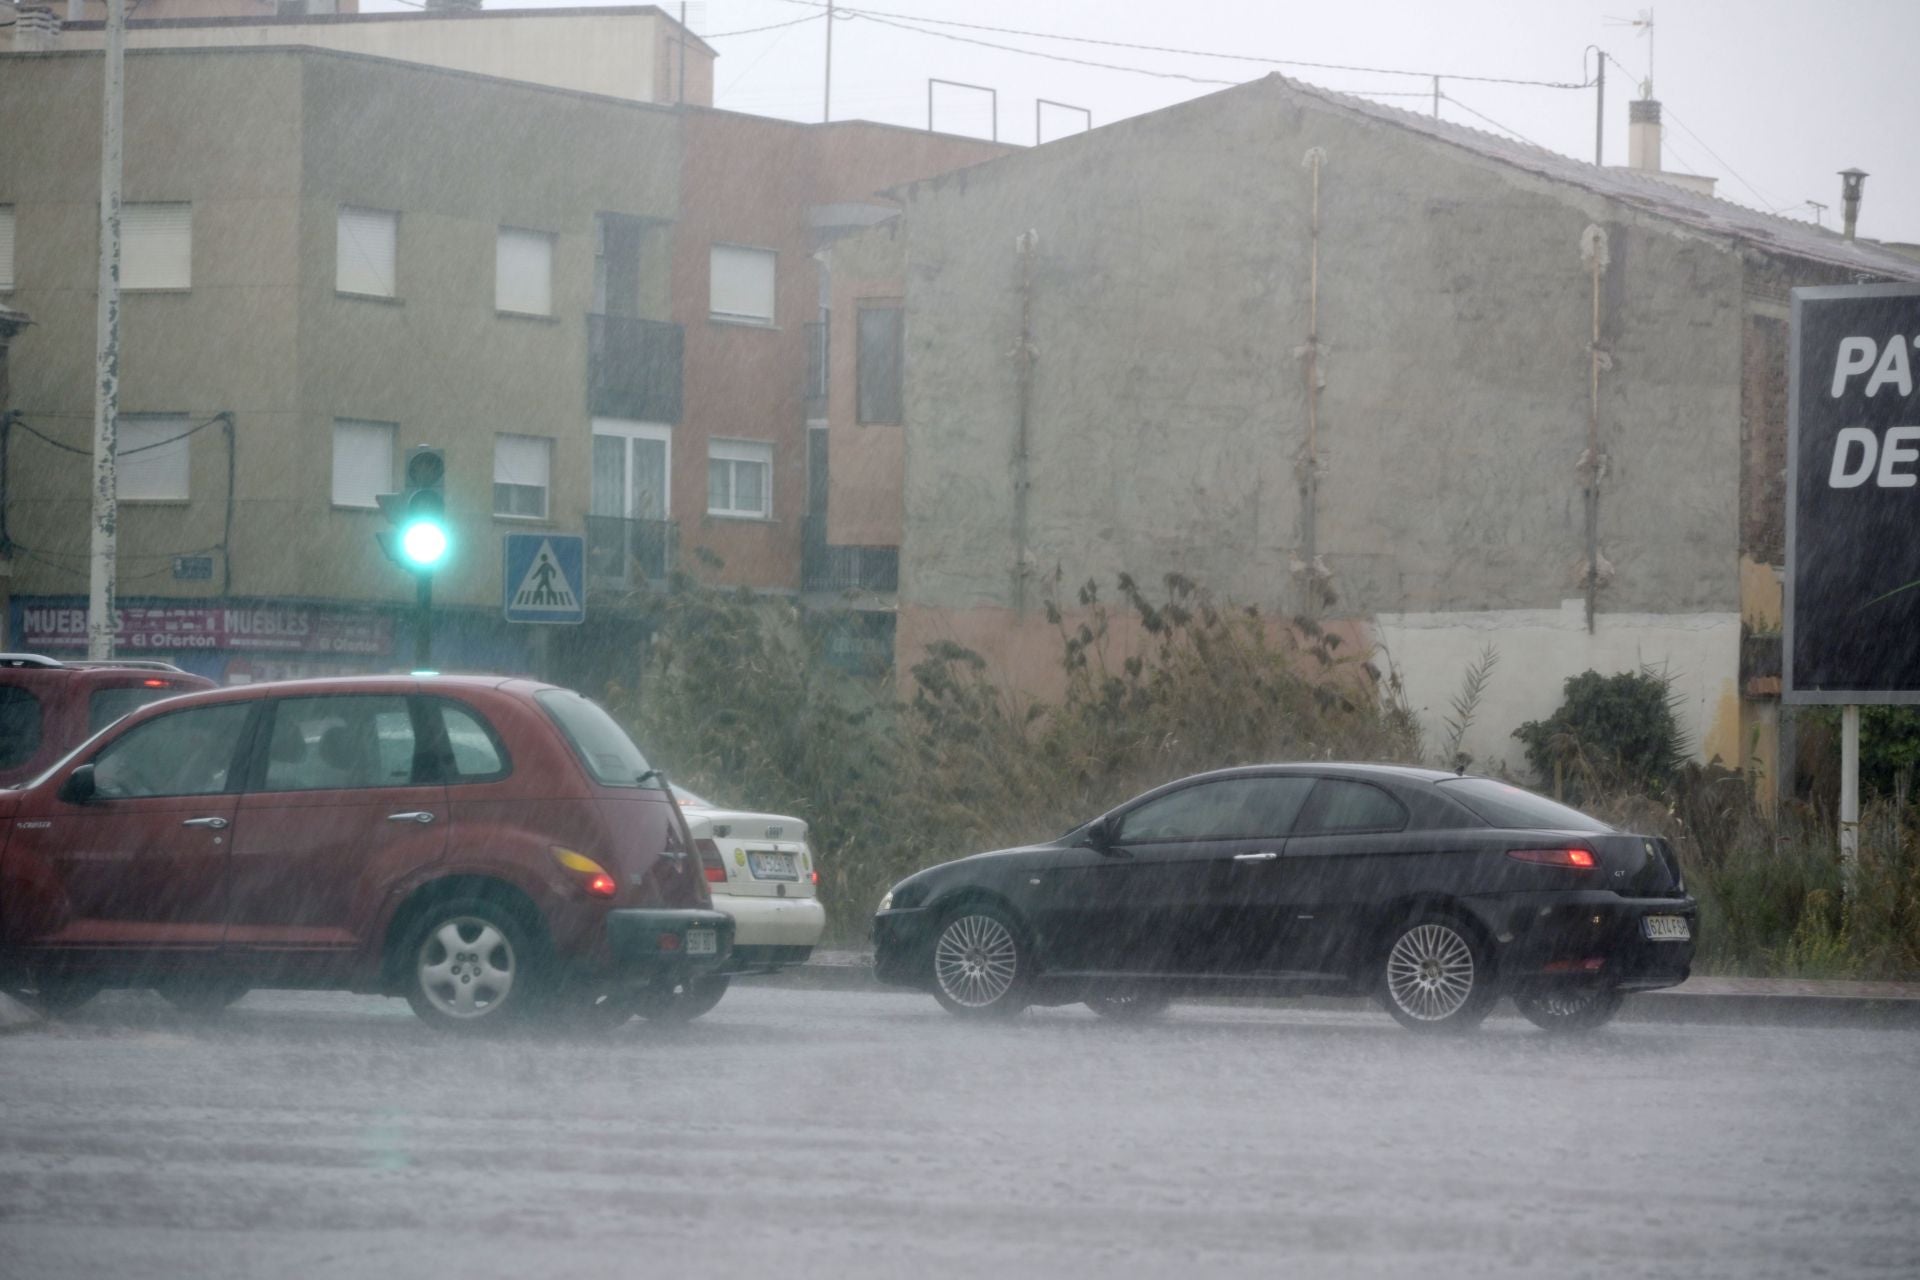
(760, 871)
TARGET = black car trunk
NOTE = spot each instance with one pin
(1639, 866)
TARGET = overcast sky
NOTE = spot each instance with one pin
(1772, 97)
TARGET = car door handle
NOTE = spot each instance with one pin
(417, 815)
(218, 824)
(1269, 856)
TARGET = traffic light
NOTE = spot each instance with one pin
(420, 539)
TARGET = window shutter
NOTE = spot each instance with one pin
(743, 282)
(367, 253)
(523, 272)
(156, 246)
(362, 462)
(149, 469)
(521, 460)
(6, 249)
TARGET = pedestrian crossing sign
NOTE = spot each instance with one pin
(544, 577)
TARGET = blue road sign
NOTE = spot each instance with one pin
(545, 577)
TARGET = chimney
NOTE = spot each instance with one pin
(1851, 180)
(1643, 134)
(36, 30)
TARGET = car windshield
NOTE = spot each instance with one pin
(602, 745)
(1499, 804)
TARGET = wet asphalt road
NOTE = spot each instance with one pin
(847, 1134)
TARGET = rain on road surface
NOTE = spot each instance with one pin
(849, 1134)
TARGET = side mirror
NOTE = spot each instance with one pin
(1100, 835)
(79, 786)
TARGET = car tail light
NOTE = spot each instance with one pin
(157, 684)
(1572, 859)
(711, 862)
(816, 878)
(594, 878)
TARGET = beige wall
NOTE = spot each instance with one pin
(262, 332)
(867, 482)
(616, 54)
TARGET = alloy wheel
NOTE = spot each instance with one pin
(466, 968)
(1430, 972)
(976, 961)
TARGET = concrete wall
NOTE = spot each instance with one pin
(867, 481)
(1170, 300)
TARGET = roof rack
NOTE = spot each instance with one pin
(29, 660)
(138, 664)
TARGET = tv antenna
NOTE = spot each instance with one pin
(1643, 26)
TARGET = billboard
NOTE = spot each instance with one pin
(1852, 628)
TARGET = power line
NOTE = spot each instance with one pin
(1447, 97)
(1038, 53)
(771, 26)
(878, 14)
(1674, 116)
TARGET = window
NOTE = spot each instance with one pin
(20, 725)
(1500, 805)
(6, 248)
(156, 246)
(366, 252)
(523, 272)
(521, 466)
(739, 479)
(1233, 808)
(188, 753)
(1341, 806)
(110, 706)
(362, 462)
(476, 753)
(330, 744)
(882, 333)
(742, 283)
(602, 745)
(151, 453)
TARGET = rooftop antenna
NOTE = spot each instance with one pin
(1818, 209)
(1643, 25)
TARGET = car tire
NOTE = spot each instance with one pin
(684, 1001)
(204, 997)
(980, 962)
(1434, 975)
(469, 965)
(1129, 1004)
(1570, 1012)
(55, 995)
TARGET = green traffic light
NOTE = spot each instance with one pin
(424, 543)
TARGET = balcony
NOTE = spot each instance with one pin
(830, 568)
(630, 553)
(817, 353)
(633, 368)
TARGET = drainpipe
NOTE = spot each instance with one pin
(1307, 462)
(1024, 357)
(1593, 463)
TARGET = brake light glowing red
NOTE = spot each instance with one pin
(716, 875)
(157, 684)
(816, 879)
(602, 885)
(594, 878)
(1573, 859)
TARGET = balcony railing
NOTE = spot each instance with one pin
(830, 568)
(632, 553)
(817, 368)
(633, 368)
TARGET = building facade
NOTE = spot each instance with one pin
(1341, 361)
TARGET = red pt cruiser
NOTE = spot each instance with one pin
(485, 847)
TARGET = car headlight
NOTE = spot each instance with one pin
(886, 902)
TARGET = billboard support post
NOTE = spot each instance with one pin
(1849, 791)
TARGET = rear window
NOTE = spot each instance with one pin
(602, 745)
(107, 706)
(19, 725)
(1500, 805)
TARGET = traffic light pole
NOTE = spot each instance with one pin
(423, 625)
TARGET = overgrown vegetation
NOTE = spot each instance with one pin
(736, 699)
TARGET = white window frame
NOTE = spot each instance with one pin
(9, 228)
(351, 248)
(386, 485)
(153, 475)
(522, 238)
(546, 480)
(630, 429)
(151, 258)
(714, 309)
(735, 452)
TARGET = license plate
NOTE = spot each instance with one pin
(772, 866)
(702, 942)
(1668, 929)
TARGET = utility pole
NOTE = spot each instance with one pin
(1600, 109)
(1436, 97)
(826, 107)
(106, 391)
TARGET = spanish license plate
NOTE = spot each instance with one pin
(772, 866)
(702, 942)
(1668, 929)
